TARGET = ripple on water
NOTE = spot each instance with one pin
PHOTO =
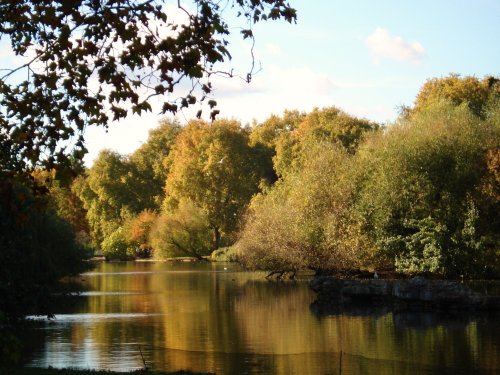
(71, 318)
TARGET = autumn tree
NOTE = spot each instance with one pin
(214, 167)
(150, 163)
(327, 124)
(137, 232)
(476, 93)
(305, 219)
(89, 62)
(64, 202)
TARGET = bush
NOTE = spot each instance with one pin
(116, 246)
(137, 233)
(183, 232)
(225, 254)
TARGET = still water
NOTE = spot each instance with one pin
(218, 318)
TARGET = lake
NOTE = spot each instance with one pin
(218, 318)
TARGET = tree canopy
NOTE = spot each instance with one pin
(86, 62)
(214, 166)
(476, 93)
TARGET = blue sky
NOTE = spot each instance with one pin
(366, 57)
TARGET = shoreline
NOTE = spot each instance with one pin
(403, 294)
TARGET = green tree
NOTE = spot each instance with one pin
(136, 50)
(108, 194)
(183, 232)
(422, 196)
(117, 188)
(117, 246)
(213, 166)
(304, 220)
(150, 164)
(328, 124)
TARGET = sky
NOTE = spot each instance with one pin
(366, 57)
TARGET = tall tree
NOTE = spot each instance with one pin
(425, 196)
(108, 194)
(132, 49)
(214, 166)
(150, 162)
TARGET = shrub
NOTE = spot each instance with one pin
(137, 233)
(183, 232)
(225, 254)
(116, 246)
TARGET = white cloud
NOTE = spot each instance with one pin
(384, 45)
(273, 90)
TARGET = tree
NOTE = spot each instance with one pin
(184, 231)
(37, 249)
(150, 164)
(137, 231)
(134, 49)
(64, 202)
(425, 196)
(215, 168)
(476, 93)
(327, 124)
(304, 220)
(269, 131)
(109, 194)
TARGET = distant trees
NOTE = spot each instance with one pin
(118, 192)
(304, 219)
(183, 182)
(421, 196)
(321, 190)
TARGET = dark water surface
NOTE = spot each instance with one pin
(217, 318)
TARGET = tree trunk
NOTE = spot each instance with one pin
(216, 242)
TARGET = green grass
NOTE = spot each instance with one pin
(53, 371)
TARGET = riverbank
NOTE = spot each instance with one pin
(417, 292)
(53, 371)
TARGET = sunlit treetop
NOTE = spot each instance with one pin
(87, 62)
(477, 93)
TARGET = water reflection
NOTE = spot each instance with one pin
(204, 318)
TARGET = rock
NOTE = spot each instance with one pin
(418, 291)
